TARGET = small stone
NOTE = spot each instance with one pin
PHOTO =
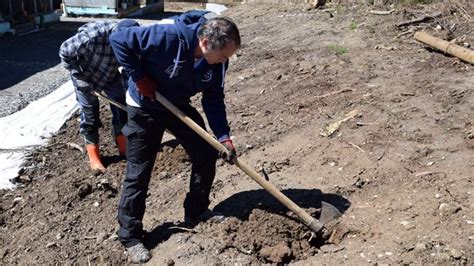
(24, 178)
(101, 237)
(248, 147)
(420, 247)
(163, 175)
(407, 225)
(51, 244)
(96, 204)
(454, 253)
(17, 200)
(448, 209)
(84, 190)
(59, 236)
(276, 254)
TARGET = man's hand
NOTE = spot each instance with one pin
(232, 153)
(147, 87)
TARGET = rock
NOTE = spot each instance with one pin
(101, 237)
(331, 248)
(334, 232)
(84, 190)
(420, 247)
(51, 244)
(163, 175)
(104, 181)
(407, 225)
(456, 254)
(448, 209)
(17, 200)
(24, 179)
(280, 253)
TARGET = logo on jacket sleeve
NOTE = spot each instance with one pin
(208, 76)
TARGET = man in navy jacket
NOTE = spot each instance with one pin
(178, 60)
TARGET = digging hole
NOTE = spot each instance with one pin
(271, 238)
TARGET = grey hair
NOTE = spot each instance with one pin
(220, 31)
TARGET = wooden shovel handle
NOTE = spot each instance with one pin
(311, 222)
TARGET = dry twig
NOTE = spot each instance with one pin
(418, 20)
(184, 229)
(333, 93)
(69, 144)
(382, 12)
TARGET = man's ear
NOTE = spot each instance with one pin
(205, 43)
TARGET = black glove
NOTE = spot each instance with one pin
(232, 153)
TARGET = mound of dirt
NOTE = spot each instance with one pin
(398, 161)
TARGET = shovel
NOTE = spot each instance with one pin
(328, 211)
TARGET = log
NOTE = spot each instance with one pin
(445, 46)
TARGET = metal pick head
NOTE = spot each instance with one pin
(328, 213)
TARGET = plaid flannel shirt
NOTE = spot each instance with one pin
(89, 56)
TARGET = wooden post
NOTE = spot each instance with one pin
(447, 47)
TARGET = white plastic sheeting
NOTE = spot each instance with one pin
(216, 8)
(31, 127)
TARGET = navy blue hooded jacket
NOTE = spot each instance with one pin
(165, 53)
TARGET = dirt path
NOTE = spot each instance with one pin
(400, 168)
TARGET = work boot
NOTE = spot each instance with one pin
(121, 144)
(138, 253)
(94, 157)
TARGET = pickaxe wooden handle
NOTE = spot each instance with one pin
(328, 212)
(311, 222)
(111, 101)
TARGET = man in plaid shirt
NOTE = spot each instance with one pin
(92, 65)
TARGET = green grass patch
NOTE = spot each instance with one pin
(354, 25)
(338, 50)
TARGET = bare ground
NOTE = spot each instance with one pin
(400, 169)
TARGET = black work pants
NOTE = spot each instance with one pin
(144, 132)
